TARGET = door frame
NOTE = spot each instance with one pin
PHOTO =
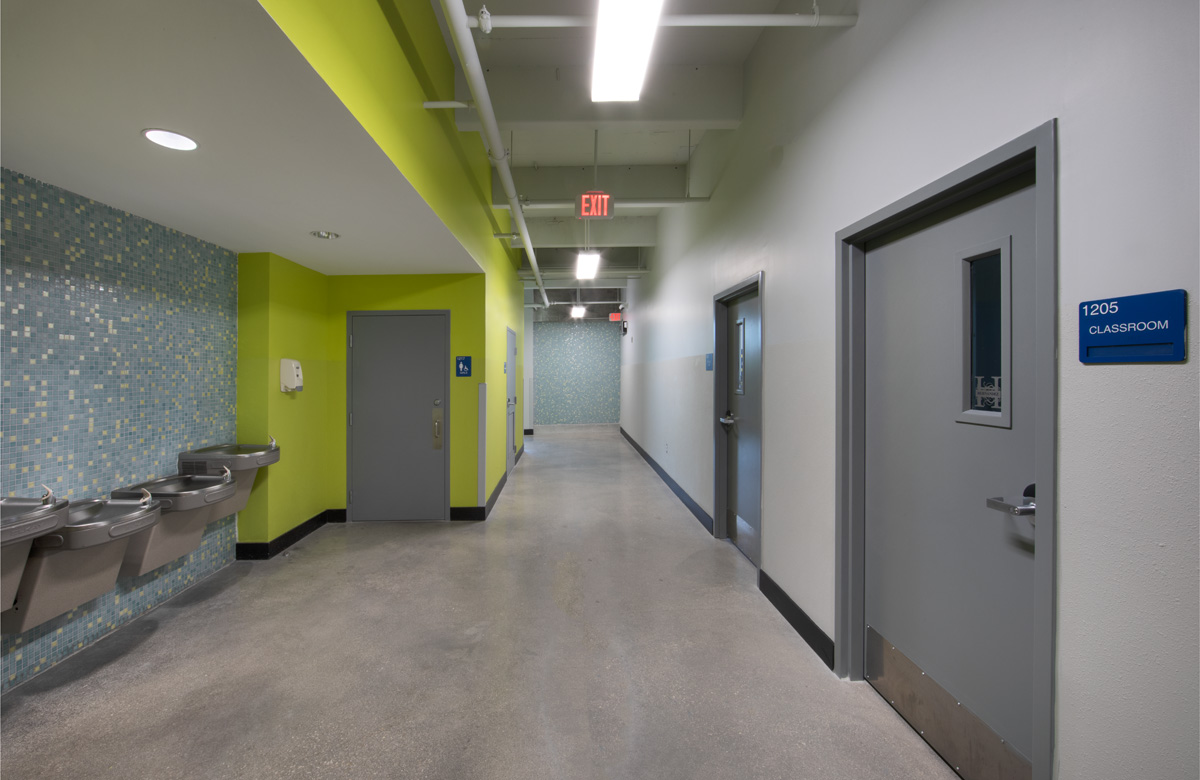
(350, 315)
(721, 396)
(510, 377)
(1034, 151)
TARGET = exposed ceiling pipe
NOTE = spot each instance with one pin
(460, 32)
(574, 303)
(633, 203)
(611, 283)
(677, 20)
(601, 276)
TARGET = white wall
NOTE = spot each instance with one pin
(853, 120)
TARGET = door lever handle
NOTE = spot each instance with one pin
(1028, 507)
(730, 420)
(437, 429)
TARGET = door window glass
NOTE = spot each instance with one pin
(987, 374)
(741, 348)
(986, 328)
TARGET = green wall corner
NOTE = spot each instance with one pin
(384, 59)
(288, 311)
(282, 309)
(463, 296)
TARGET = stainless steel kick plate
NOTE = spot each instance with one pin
(958, 735)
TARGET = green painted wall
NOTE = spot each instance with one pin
(252, 381)
(288, 311)
(505, 309)
(283, 313)
(463, 295)
(383, 59)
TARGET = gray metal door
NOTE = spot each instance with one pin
(950, 424)
(743, 422)
(510, 383)
(399, 369)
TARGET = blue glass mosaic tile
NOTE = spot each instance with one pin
(118, 350)
(39, 648)
(576, 372)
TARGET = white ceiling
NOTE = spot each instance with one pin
(279, 154)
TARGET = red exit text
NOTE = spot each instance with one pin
(594, 204)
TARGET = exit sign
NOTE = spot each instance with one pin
(594, 204)
(614, 317)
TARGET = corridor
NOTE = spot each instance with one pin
(590, 628)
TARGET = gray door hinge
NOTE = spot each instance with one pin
(351, 419)
(350, 500)
(352, 341)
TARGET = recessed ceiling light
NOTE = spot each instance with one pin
(578, 311)
(324, 234)
(180, 143)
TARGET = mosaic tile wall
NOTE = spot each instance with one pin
(118, 350)
(576, 372)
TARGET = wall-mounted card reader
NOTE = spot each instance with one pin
(1150, 328)
(291, 377)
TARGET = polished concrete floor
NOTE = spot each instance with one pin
(590, 628)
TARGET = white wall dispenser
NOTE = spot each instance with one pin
(291, 376)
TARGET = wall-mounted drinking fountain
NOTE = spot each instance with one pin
(189, 503)
(244, 460)
(21, 521)
(78, 561)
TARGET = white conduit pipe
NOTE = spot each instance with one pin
(678, 20)
(633, 203)
(460, 32)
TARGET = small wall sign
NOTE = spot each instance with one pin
(1150, 328)
(462, 365)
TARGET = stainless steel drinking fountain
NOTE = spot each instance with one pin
(79, 561)
(189, 503)
(21, 521)
(244, 460)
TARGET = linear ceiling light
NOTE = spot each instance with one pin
(587, 265)
(578, 311)
(624, 36)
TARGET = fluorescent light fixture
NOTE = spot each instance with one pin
(624, 36)
(587, 265)
(180, 143)
(578, 311)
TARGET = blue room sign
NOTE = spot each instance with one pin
(1150, 328)
(462, 365)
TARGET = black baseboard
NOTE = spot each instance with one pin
(520, 452)
(475, 513)
(687, 500)
(262, 551)
(495, 495)
(529, 431)
(809, 631)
